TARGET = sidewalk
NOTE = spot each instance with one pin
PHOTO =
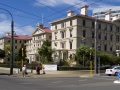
(77, 73)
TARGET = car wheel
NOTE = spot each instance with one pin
(116, 73)
(109, 74)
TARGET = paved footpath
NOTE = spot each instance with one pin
(76, 73)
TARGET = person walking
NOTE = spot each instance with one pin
(38, 69)
(24, 71)
(43, 68)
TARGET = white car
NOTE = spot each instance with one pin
(113, 70)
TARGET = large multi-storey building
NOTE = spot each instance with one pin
(100, 12)
(5, 42)
(76, 29)
(39, 35)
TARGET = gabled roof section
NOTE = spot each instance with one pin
(42, 28)
(22, 37)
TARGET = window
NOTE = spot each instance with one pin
(25, 41)
(20, 41)
(99, 47)
(55, 35)
(84, 33)
(99, 36)
(111, 48)
(93, 34)
(62, 45)
(8, 41)
(93, 45)
(70, 22)
(111, 37)
(99, 25)
(93, 24)
(70, 32)
(111, 27)
(105, 47)
(15, 47)
(62, 34)
(105, 37)
(105, 26)
(62, 25)
(70, 45)
(55, 44)
(15, 41)
(84, 23)
(117, 38)
(55, 26)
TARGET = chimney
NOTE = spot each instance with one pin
(115, 17)
(84, 10)
(70, 13)
(7, 34)
(108, 15)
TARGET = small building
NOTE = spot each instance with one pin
(39, 35)
(5, 43)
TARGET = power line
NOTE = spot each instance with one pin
(74, 10)
(21, 10)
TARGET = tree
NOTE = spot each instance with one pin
(2, 53)
(45, 52)
(83, 54)
(19, 56)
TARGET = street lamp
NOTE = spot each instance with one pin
(95, 47)
(12, 51)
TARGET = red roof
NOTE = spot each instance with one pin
(19, 37)
(46, 29)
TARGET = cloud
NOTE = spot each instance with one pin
(26, 30)
(3, 16)
(56, 2)
(5, 26)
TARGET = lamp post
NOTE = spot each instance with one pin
(11, 43)
(95, 47)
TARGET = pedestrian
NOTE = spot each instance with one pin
(43, 68)
(24, 70)
(38, 69)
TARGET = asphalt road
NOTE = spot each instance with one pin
(74, 83)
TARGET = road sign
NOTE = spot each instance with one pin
(118, 74)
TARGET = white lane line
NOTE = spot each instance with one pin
(83, 80)
(26, 83)
(57, 82)
(104, 78)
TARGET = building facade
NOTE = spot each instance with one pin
(5, 43)
(76, 29)
(100, 12)
(39, 35)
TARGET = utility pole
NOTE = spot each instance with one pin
(95, 47)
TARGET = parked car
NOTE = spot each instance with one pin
(113, 70)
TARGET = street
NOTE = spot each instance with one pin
(70, 83)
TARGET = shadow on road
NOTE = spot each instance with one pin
(4, 74)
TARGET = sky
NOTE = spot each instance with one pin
(27, 13)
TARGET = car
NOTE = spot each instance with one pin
(112, 71)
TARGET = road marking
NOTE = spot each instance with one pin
(103, 78)
(26, 83)
(83, 80)
(57, 82)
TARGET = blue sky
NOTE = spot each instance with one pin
(27, 13)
